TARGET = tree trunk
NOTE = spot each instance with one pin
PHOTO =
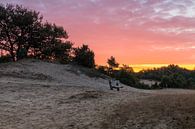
(22, 52)
(12, 52)
(18, 53)
(12, 55)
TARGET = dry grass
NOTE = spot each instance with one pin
(86, 95)
(156, 112)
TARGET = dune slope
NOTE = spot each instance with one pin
(41, 95)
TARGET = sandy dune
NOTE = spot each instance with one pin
(40, 95)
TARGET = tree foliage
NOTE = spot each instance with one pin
(17, 28)
(84, 56)
(175, 81)
(126, 77)
(23, 33)
(171, 76)
(62, 52)
(5, 58)
(51, 38)
(112, 62)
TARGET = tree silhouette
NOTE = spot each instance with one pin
(62, 52)
(84, 56)
(112, 62)
(127, 68)
(22, 32)
(50, 37)
(17, 27)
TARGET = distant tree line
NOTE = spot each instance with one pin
(171, 76)
(24, 34)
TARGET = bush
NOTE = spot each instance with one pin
(174, 81)
(6, 58)
(156, 86)
(84, 56)
(103, 69)
(142, 86)
(125, 77)
(62, 52)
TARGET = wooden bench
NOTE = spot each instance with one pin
(114, 85)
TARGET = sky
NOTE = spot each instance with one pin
(133, 31)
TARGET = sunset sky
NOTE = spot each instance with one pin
(133, 31)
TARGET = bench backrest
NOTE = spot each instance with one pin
(114, 83)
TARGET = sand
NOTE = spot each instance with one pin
(41, 95)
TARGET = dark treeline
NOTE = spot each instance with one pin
(171, 76)
(23, 34)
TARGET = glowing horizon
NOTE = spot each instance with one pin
(139, 67)
(134, 32)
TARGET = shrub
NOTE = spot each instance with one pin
(84, 56)
(6, 58)
(62, 52)
(125, 77)
(174, 81)
(103, 69)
